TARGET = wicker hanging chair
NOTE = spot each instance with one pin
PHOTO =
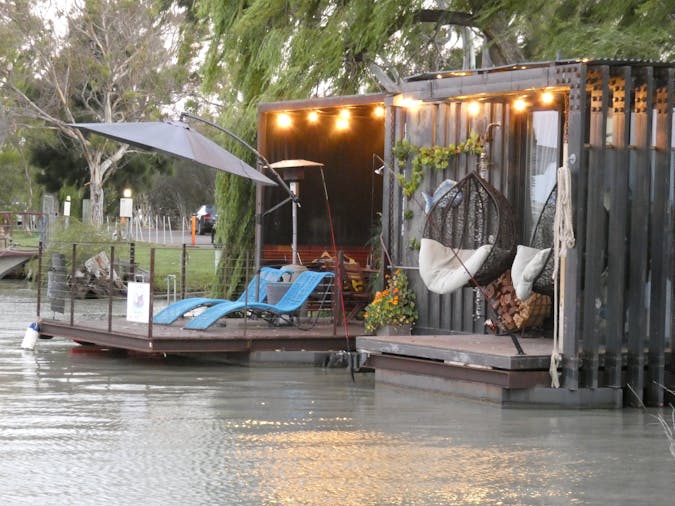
(469, 237)
(532, 269)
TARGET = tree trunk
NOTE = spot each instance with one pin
(97, 200)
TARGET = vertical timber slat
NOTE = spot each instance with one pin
(659, 249)
(594, 227)
(616, 279)
(637, 318)
(571, 282)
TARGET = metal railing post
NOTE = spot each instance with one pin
(39, 280)
(111, 285)
(72, 285)
(152, 291)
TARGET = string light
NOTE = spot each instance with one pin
(547, 98)
(473, 108)
(407, 102)
(342, 123)
(519, 105)
(283, 120)
(379, 111)
(313, 117)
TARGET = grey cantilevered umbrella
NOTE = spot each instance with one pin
(176, 139)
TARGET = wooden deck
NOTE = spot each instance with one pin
(477, 366)
(238, 337)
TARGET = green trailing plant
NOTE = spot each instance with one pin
(424, 158)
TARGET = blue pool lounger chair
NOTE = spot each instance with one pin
(291, 302)
(172, 312)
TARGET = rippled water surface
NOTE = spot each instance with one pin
(96, 428)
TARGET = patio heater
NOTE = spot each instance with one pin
(293, 171)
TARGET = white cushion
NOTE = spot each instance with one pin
(527, 266)
(441, 269)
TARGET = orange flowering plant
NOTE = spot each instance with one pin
(395, 305)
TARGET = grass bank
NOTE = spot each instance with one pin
(200, 267)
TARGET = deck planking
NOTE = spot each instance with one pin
(252, 337)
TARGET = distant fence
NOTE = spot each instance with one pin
(27, 222)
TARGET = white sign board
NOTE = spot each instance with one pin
(138, 302)
(126, 207)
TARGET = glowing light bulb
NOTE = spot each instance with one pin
(342, 123)
(284, 120)
(547, 98)
(379, 111)
(313, 117)
(473, 108)
(519, 105)
(345, 114)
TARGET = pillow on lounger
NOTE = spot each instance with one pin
(527, 265)
(442, 271)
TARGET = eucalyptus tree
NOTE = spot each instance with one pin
(94, 60)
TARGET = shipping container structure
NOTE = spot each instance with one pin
(609, 122)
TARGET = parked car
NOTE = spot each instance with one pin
(206, 219)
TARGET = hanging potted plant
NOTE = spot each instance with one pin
(393, 311)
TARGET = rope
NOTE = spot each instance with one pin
(563, 234)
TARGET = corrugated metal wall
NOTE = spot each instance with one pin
(618, 302)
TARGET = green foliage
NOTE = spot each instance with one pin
(395, 305)
(16, 181)
(235, 198)
(426, 158)
(642, 29)
(63, 237)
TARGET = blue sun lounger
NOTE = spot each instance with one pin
(290, 303)
(172, 312)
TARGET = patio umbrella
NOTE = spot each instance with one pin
(176, 139)
(293, 172)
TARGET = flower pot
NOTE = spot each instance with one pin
(394, 330)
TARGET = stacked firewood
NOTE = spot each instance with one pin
(513, 313)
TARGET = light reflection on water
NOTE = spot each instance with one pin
(84, 427)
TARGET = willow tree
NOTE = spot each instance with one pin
(92, 60)
(265, 50)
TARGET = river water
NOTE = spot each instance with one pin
(95, 428)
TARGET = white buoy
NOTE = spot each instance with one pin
(30, 337)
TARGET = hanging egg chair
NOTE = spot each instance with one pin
(469, 237)
(533, 265)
